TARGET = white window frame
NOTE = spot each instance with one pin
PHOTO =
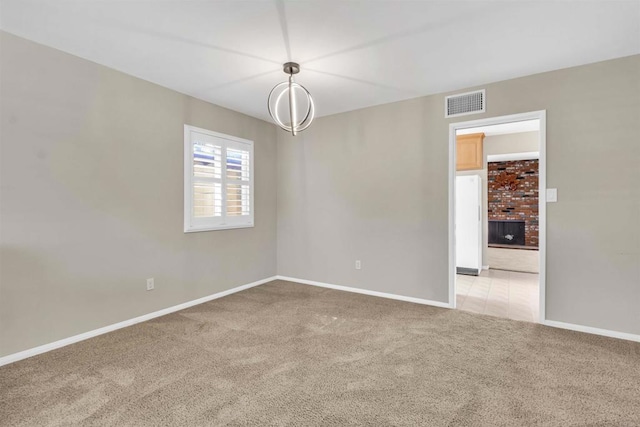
(193, 224)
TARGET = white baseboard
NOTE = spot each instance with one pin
(551, 323)
(485, 267)
(90, 334)
(366, 292)
(591, 330)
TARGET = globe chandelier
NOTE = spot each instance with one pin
(290, 104)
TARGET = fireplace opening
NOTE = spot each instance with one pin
(509, 233)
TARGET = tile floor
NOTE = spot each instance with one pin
(499, 293)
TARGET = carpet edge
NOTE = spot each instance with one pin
(24, 354)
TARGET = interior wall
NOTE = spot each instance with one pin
(521, 142)
(372, 185)
(91, 198)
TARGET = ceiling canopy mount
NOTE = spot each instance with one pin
(291, 68)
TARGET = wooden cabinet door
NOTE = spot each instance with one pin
(469, 151)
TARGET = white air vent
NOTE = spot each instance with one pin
(465, 103)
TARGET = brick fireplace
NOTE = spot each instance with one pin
(513, 196)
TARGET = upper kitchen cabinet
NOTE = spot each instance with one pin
(469, 151)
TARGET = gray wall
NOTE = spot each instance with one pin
(522, 142)
(91, 198)
(372, 185)
(368, 185)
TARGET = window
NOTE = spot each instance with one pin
(218, 181)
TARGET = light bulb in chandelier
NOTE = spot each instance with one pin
(290, 104)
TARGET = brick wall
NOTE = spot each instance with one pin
(513, 194)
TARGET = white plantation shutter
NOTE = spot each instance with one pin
(238, 178)
(207, 199)
(207, 176)
(218, 181)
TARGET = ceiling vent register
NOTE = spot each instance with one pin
(465, 103)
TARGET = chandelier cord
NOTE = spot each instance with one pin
(292, 106)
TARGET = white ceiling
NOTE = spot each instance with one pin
(503, 128)
(353, 54)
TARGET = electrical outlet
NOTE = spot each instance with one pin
(358, 264)
(150, 284)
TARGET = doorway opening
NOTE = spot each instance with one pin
(497, 216)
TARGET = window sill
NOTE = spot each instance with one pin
(217, 227)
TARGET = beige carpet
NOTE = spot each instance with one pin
(289, 354)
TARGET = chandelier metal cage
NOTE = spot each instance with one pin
(300, 107)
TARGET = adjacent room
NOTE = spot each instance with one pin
(497, 218)
(310, 213)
